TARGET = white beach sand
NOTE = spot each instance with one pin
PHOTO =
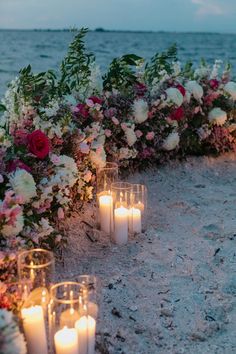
(172, 289)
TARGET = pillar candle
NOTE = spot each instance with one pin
(121, 225)
(66, 341)
(105, 211)
(34, 328)
(86, 328)
(135, 224)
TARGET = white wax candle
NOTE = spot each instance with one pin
(69, 317)
(92, 310)
(86, 328)
(135, 224)
(66, 341)
(34, 328)
(121, 215)
(105, 211)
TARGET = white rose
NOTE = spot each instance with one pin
(174, 96)
(130, 136)
(195, 89)
(230, 88)
(171, 142)
(23, 184)
(140, 111)
(217, 116)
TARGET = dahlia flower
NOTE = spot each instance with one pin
(23, 184)
(217, 116)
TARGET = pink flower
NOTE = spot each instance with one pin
(150, 136)
(140, 89)
(209, 99)
(124, 126)
(60, 214)
(95, 99)
(110, 112)
(14, 164)
(89, 103)
(214, 84)
(84, 148)
(115, 120)
(88, 176)
(20, 137)
(55, 159)
(107, 133)
(138, 133)
(82, 109)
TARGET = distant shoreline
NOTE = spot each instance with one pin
(102, 30)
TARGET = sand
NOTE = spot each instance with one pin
(171, 289)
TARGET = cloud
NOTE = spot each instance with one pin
(209, 7)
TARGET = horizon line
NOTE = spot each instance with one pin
(104, 30)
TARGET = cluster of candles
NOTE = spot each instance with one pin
(59, 318)
(121, 205)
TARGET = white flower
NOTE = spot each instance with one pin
(98, 157)
(195, 89)
(217, 116)
(171, 142)
(230, 88)
(9, 230)
(52, 109)
(204, 132)
(12, 341)
(130, 136)
(125, 153)
(174, 96)
(140, 111)
(23, 184)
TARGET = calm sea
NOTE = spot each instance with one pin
(45, 49)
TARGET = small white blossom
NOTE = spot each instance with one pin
(171, 142)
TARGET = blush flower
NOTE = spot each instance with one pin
(150, 136)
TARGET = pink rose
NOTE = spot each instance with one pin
(60, 214)
(38, 144)
(150, 136)
(115, 121)
(107, 133)
(124, 126)
(138, 133)
(20, 137)
(55, 159)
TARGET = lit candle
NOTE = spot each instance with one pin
(105, 211)
(121, 225)
(86, 327)
(34, 328)
(66, 341)
(69, 317)
(135, 224)
(32, 275)
(92, 310)
(140, 206)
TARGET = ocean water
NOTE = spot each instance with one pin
(45, 49)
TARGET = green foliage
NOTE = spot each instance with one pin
(2, 108)
(161, 61)
(75, 68)
(188, 71)
(41, 87)
(121, 74)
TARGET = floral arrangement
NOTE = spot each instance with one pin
(55, 130)
(11, 339)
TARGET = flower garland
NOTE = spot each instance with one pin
(56, 130)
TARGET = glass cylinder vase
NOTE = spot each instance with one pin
(35, 272)
(105, 177)
(92, 293)
(121, 196)
(72, 330)
(138, 209)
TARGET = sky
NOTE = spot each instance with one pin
(155, 15)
